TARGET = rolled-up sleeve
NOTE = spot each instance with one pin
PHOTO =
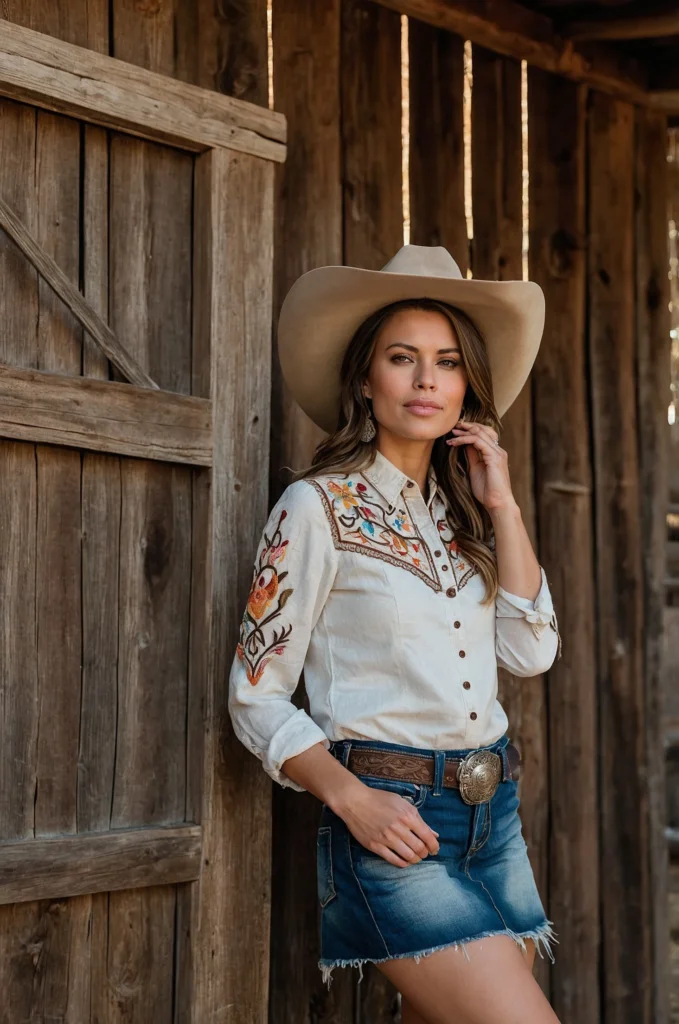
(293, 574)
(527, 635)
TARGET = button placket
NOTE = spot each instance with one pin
(419, 512)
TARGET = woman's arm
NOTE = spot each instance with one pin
(527, 634)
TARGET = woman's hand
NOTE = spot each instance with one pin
(387, 824)
(488, 464)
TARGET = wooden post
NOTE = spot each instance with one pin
(627, 969)
(556, 135)
(653, 370)
(497, 187)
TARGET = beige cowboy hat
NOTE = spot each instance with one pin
(325, 306)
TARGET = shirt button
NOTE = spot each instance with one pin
(466, 684)
(462, 654)
(457, 624)
(444, 568)
(410, 483)
(437, 554)
(451, 592)
(473, 716)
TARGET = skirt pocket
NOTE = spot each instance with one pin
(415, 793)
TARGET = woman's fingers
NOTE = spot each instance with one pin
(482, 444)
(477, 428)
(390, 856)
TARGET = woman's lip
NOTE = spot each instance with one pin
(423, 410)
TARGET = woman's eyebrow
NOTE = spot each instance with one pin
(413, 348)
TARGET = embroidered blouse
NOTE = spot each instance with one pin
(358, 581)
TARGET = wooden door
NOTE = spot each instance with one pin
(135, 323)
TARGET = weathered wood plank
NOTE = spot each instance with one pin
(437, 215)
(45, 951)
(68, 79)
(150, 767)
(140, 957)
(497, 255)
(497, 180)
(627, 974)
(513, 30)
(653, 377)
(59, 639)
(59, 281)
(150, 253)
(18, 654)
(230, 908)
(308, 233)
(104, 416)
(371, 133)
(100, 515)
(224, 47)
(47, 869)
(557, 261)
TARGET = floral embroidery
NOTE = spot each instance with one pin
(265, 603)
(462, 570)
(360, 522)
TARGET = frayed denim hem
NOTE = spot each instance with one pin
(545, 934)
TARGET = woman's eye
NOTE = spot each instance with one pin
(396, 359)
(452, 363)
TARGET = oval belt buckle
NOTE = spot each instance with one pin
(478, 776)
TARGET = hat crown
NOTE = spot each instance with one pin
(423, 261)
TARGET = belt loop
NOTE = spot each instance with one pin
(346, 747)
(439, 767)
(506, 770)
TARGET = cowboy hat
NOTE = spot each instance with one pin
(325, 306)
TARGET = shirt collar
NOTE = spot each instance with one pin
(391, 481)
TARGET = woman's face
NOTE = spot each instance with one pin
(416, 380)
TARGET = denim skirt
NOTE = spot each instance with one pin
(479, 884)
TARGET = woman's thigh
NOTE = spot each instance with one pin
(493, 984)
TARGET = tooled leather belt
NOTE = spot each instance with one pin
(477, 775)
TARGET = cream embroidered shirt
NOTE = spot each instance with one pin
(358, 581)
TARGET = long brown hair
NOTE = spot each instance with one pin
(343, 451)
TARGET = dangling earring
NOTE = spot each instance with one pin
(368, 431)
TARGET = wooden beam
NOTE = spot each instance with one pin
(664, 100)
(648, 26)
(511, 29)
(49, 869)
(73, 298)
(39, 69)
(104, 416)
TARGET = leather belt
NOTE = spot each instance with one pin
(477, 775)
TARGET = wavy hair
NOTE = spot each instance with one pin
(343, 451)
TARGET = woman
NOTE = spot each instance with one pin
(398, 574)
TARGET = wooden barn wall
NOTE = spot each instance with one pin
(586, 441)
(597, 248)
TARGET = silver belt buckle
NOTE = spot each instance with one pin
(478, 776)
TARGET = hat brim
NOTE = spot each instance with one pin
(325, 306)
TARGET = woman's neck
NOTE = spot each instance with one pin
(410, 456)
